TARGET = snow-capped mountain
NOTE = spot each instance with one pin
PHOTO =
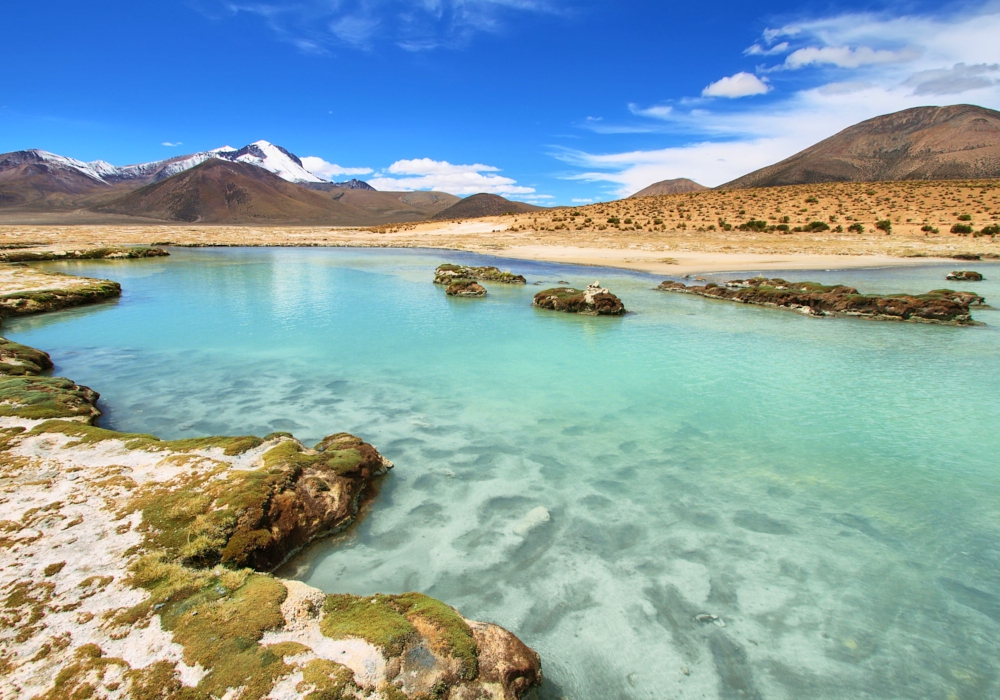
(262, 154)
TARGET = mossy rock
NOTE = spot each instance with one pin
(106, 253)
(20, 360)
(465, 288)
(33, 302)
(41, 398)
(965, 276)
(448, 274)
(579, 301)
(814, 299)
(390, 623)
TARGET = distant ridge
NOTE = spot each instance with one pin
(922, 143)
(680, 185)
(480, 205)
(352, 184)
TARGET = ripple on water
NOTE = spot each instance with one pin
(825, 488)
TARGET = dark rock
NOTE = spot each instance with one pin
(965, 276)
(813, 299)
(592, 301)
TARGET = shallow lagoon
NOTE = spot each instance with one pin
(829, 488)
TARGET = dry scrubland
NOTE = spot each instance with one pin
(724, 224)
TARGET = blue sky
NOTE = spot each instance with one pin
(551, 101)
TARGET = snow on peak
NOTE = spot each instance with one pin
(262, 154)
(279, 161)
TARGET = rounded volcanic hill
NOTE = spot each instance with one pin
(480, 205)
(680, 185)
(922, 143)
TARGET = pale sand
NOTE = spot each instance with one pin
(693, 263)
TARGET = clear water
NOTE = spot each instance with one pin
(829, 488)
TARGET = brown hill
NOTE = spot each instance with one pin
(923, 143)
(27, 179)
(680, 185)
(480, 205)
(218, 191)
(394, 207)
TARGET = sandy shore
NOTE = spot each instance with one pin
(665, 252)
(700, 262)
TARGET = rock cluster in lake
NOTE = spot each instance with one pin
(595, 300)
(448, 274)
(965, 276)
(814, 299)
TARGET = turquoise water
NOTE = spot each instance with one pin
(829, 488)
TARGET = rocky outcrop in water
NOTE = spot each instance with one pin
(133, 567)
(965, 276)
(595, 300)
(112, 253)
(465, 288)
(813, 299)
(447, 274)
(39, 300)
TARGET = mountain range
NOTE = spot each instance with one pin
(263, 183)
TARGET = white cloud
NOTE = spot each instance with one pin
(758, 50)
(958, 58)
(318, 166)
(582, 200)
(846, 57)
(955, 80)
(169, 144)
(740, 85)
(440, 175)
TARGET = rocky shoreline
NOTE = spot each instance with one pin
(943, 306)
(31, 291)
(449, 274)
(134, 567)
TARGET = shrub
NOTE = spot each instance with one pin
(870, 193)
(884, 225)
(628, 221)
(658, 222)
(754, 225)
(963, 229)
(856, 228)
(784, 228)
(927, 228)
(812, 200)
(786, 220)
(839, 229)
(614, 220)
(992, 230)
(965, 217)
(817, 226)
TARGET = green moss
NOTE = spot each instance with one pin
(373, 619)
(454, 637)
(390, 622)
(219, 619)
(89, 435)
(328, 681)
(44, 397)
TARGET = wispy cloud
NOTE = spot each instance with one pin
(169, 144)
(428, 174)
(856, 66)
(758, 50)
(955, 80)
(317, 26)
